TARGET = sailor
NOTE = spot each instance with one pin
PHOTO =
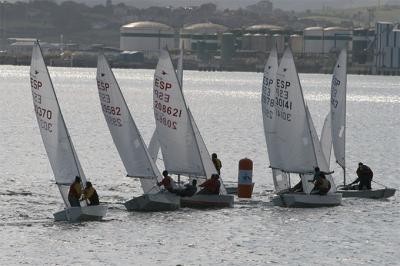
(365, 176)
(75, 192)
(166, 182)
(90, 194)
(189, 190)
(318, 173)
(211, 186)
(321, 184)
(217, 163)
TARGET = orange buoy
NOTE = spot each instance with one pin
(245, 178)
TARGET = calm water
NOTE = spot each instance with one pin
(226, 107)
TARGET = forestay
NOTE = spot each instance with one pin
(60, 150)
(178, 144)
(126, 136)
(293, 142)
(338, 108)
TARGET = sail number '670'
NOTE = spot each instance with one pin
(44, 115)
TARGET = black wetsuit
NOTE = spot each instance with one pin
(365, 175)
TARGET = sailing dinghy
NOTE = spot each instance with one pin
(293, 145)
(58, 144)
(337, 119)
(130, 145)
(183, 149)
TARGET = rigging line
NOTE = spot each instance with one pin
(379, 183)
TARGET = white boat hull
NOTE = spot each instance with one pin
(302, 200)
(231, 189)
(369, 194)
(80, 214)
(208, 201)
(163, 201)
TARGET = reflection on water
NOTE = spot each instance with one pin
(227, 109)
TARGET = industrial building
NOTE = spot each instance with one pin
(319, 40)
(387, 48)
(147, 36)
(202, 36)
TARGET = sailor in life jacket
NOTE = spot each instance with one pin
(75, 192)
(211, 186)
(166, 182)
(321, 184)
(90, 194)
(217, 163)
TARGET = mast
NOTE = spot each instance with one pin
(345, 112)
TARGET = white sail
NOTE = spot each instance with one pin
(205, 155)
(267, 104)
(60, 150)
(319, 154)
(126, 136)
(326, 138)
(338, 108)
(281, 180)
(154, 146)
(179, 147)
(293, 142)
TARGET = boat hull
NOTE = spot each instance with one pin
(163, 201)
(80, 214)
(208, 201)
(369, 194)
(302, 200)
(231, 189)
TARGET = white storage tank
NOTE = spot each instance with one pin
(313, 40)
(259, 42)
(279, 40)
(296, 43)
(269, 42)
(337, 38)
(263, 28)
(246, 41)
(146, 36)
(209, 34)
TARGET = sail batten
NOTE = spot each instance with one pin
(123, 129)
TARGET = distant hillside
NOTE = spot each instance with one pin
(296, 5)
